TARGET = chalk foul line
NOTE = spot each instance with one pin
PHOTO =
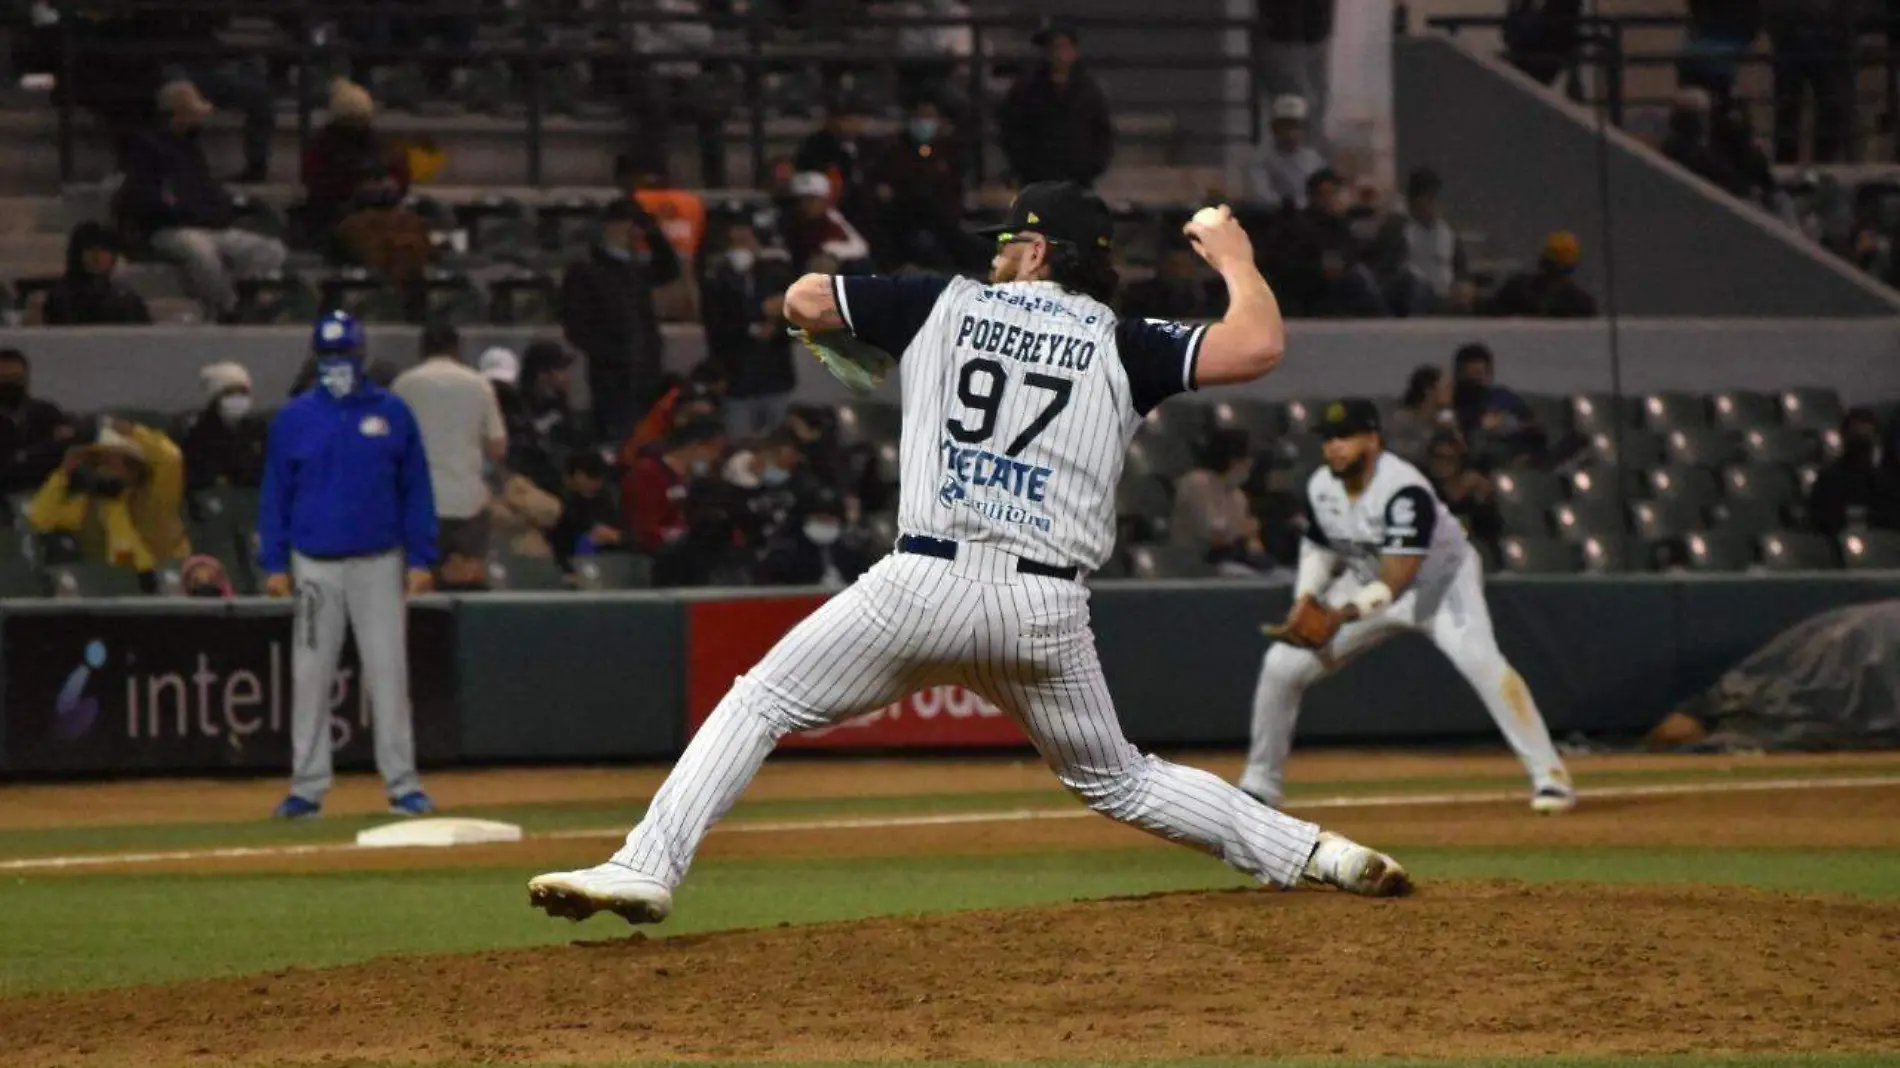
(949, 819)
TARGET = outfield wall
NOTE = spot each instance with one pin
(148, 685)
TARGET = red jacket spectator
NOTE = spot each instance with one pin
(655, 491)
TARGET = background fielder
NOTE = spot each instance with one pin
(1019, 400)
(1382, 551)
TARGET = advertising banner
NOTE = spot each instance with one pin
(726, 638)
(179, 691)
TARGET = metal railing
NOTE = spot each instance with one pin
(754, 47)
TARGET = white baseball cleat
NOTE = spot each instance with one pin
(1339, 861)
(608, 887)
(1553, 799)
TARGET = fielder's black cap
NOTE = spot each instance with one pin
(1348, 416)
(1059, 211)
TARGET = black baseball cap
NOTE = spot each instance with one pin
(1059, 211)
(1349, 416)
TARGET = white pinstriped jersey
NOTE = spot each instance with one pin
(1398, 514)
(1019, 402)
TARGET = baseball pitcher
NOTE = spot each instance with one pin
(1020, 396)
(1382, 555)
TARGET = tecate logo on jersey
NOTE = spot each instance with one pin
(978, 469)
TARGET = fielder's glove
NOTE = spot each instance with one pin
(1311, 625)
(859, 365)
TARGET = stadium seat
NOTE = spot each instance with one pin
(613, 571)
(275, 301)
(1753, 516)
(1553, 414)
(512, 572)
(568, 224)
(1167, 562)
(1717, 551)
(1632, 449)
(528, 298)
(1263, 422)
(1700, 446)
(1743, 410)
(1663, 412)
(1525, 519)
(1539, 556)
(19, 578)
(1159, 456)
(93, 580)
(1303, 416)
(1663, 521)
(1599, 485)
(1694, 486)
(1599, 413)
(1797, 551)
(1777, 445)
(868, 421)
(455, 298)
(491, 90)
(1115, 567)
(888, 463)
(1773, 483)
(1578, 520)
(399, 87)
(1811, 408)
(1828, 443)
(1609, 554)
(1871, 550)
(1180, 419)
(1540, 489)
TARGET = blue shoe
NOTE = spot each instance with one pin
(296, 808)
(413, 803)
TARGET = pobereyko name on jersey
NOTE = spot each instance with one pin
(980, 469)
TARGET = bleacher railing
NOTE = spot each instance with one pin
(998, 45)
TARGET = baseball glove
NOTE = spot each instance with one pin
(1311, 625)
(859, 365)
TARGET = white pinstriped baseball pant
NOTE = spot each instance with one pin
(1021, 641)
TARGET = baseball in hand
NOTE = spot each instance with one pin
(1207, 217)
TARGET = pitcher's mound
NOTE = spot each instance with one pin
(1460, 969)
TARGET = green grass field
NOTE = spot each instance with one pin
(122, 926)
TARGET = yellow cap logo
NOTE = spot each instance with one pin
(1336, 413)
(1034, 218)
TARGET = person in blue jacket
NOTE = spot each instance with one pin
(347, 513)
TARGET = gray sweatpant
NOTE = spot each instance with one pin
(364, 593)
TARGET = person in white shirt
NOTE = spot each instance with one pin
(1422, 262)
(462, 431)
(1280, 168)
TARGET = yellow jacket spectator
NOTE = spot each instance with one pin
(120, 496)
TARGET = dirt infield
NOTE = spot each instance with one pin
(1461, 969)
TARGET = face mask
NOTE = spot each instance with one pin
(923, 130)
(773, 475)
(621, 254)
(700, 467)
(234, 406)
(338, 376)
(12, 394)
(822, 532)
(741, 259)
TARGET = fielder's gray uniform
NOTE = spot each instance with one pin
(1019, 402)
(364, 593)
(1398, 514)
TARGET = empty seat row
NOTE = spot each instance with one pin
(1711, 551)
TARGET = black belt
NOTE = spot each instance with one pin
(324, 558)
(945, 549)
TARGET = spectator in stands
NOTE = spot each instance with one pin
(1543, 38)
(1689, 143)
(1732, 135)
(1424, 411)
(656, 496)
(462, 433)
(119, 496)
(502, 368)
(745, 332)
(812, 227)
(548, 431)
(773, 477)
(607, 313)
(1211, 514)
(917, 180)
(1719, 34)
(1860, 488)
(1054, 124)
(1321, 274)
(1468, 494)
(355, 180)
(203, 576)
(932, 54)
(34, 433)
(588, 523)
(1813, 45)
(1294, 40)
(223, 442)
(667, 89)
(681, 213)
(1420, 261)
(1498, 427)
(1550, 291)
(818, 550)
(1180, 289)
(87, 294)
(1280, 169)
(837, 150)
(172, 201)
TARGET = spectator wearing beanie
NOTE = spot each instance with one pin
(223, 442)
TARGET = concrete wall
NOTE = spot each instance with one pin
(1519, 161)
